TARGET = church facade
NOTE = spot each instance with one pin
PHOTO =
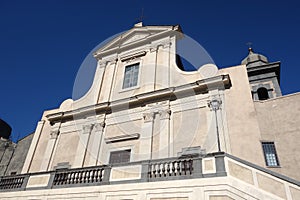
(147, 129)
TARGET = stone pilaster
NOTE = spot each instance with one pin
(164, 133)
(146, 136)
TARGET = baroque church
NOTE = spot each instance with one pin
(148, 129)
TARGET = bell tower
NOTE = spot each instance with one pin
(264, 77)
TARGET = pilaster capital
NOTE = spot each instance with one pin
(99, 126)
(102, 63)
(214, 104)
(153, 48)
(148, 117)
(166, 44)
(54, 133)
(165, 114)
(86, 129)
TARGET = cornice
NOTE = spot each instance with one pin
(122, 138)
(145, 41)
(220, 82)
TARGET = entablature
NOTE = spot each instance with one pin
(220, 82)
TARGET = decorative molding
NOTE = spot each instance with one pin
(62, 165)
(133, 56)
(118, 44)
(135, 37)
(191, 151)
(201, 86)
(163, 44)
(122, 138)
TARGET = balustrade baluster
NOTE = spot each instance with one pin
(154, 170)
(84, 176)
(150, 171)
(163, 169)
(71, 178)
(14, 183)
(66, 174)
(9, 183)
(184, 167)
(191, 166)
(58, 179)
(63, 178)
(80, 176)
(87, 176)
(178, 163)
(159, 170)
(55, 179)
(173, 168)
(92, 175)
(101, 174)
(76, 177)
(168, 169)
(96, 175)
(67, 178)
(19, 182)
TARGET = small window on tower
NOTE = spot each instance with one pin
(131, 76)
(270, 154)
(262, 93)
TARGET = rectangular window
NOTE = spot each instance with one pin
(119, 156)
(270, 154)
(131, 76)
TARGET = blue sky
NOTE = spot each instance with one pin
(43, 43)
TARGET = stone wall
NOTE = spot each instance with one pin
(279, 122)
(12, 156)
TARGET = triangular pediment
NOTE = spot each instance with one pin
(134, 36)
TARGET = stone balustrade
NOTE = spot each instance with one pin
(140, 171)
(78, 176)
(172, 168)
(215, 171)
(12, 182)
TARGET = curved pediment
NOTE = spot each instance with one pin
(135, 37)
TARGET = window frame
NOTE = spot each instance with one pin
(270, 146)
(139, 63)
(119, 150)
